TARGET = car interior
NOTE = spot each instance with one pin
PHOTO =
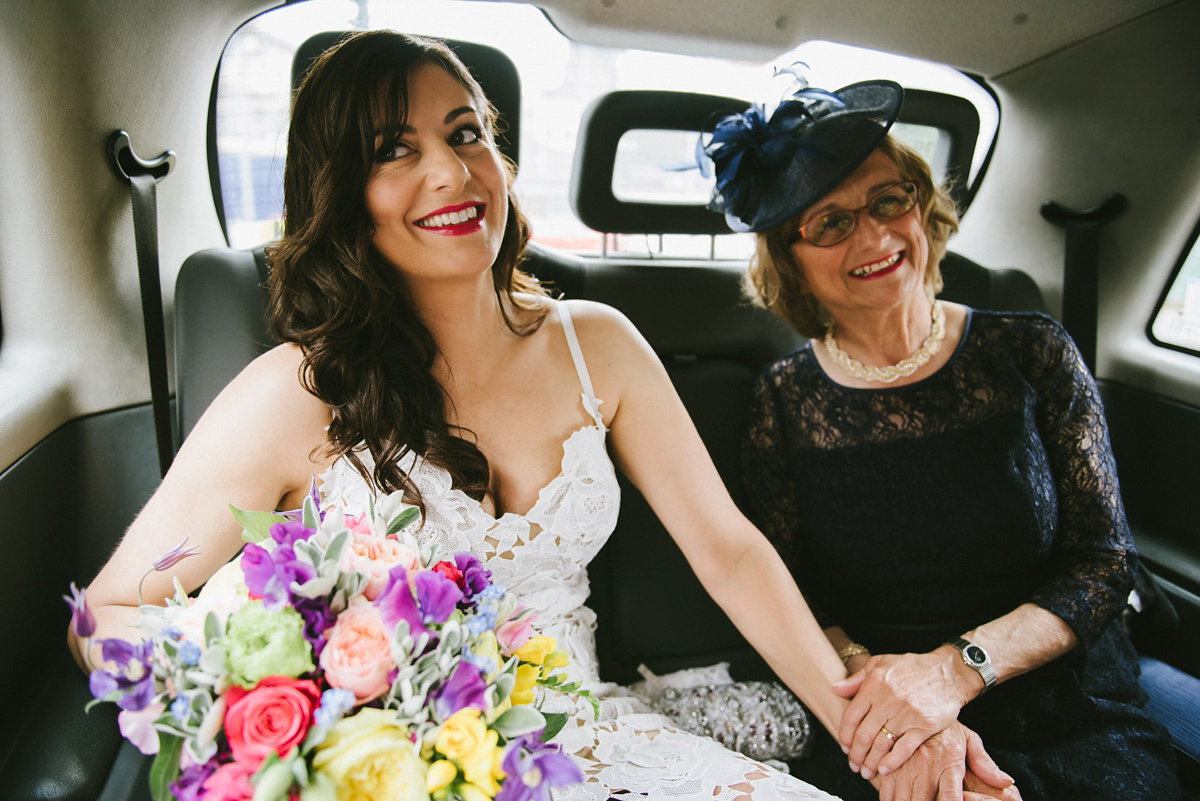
(1080, 200)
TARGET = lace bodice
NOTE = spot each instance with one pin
(986, 485)
(541, 556)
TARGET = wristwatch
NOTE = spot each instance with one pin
(976, 658)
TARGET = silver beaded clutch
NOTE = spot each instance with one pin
(757, 718)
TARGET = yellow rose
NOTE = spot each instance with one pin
(461, 734)
(536, 649)
(369, 756)
(522, 692)
(469, 792)
(440, 774)
(479, 764)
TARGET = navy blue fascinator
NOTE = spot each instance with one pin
(769, 169)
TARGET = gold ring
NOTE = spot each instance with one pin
(884, 731)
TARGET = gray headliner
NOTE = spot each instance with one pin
(988, 37)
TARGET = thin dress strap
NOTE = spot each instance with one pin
(590, 402)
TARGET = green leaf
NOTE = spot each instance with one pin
(212, 628)
(554, 723)
(517, 721)
(312, 518)
(504, 684)
(166, 767)
(255, 525)
(403, 519)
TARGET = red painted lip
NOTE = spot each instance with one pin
(457, 229)
(884, 271)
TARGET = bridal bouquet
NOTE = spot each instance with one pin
(338, 659)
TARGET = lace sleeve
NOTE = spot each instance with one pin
(1093, 554)
(771, 498)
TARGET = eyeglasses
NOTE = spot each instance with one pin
(890, 202)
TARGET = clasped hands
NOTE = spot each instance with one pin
(901, 729)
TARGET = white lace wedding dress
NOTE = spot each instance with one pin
(542, 557)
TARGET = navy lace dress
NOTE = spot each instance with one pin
(912, 514)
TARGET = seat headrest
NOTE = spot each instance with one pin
(604, 123)
(495, 72)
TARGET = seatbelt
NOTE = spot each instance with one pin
(142, 177)
(1081, 267)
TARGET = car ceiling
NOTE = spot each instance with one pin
(988, 37)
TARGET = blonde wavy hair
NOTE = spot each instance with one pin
(776, 282)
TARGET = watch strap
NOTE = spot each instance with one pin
(976, 657)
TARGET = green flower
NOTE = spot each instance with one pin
(262, 643)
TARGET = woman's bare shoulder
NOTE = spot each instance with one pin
(601, 322)
(267, 408)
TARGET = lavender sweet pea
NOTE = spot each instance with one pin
(397, 603)
(533, 768)
(318, 619)
(83, 622)
(437, 597)
(133, 681)
(476, 577)
(465, 688)
(269, 574)
(175, 556)
(189, 785)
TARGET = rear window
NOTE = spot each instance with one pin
(1176, 322)
(559, 79)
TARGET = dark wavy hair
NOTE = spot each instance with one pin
(367, 354)
(776, 282)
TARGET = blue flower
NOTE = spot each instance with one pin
(189, 654)
(181, 709)
(334, 706)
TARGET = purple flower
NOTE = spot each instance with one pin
(476, 577)
(83, 622)
(318, 618)
(437, 596)
(465, 688)
(287, 533)
(133, 680)
(174, 556)
(269, 574)
(396, 603)
(533, 767)
(188, 786)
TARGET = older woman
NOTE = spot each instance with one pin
(938, 479)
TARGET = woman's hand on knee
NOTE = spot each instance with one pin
(899, 701)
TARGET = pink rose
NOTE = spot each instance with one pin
(230, 782)
(375, 556)
(516, 630)
(271, 718)
(357, 655)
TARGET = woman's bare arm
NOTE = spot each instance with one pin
(251, 449)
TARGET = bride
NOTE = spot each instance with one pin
(417, 356)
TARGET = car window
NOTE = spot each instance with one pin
(559, 79)
(1176, 321)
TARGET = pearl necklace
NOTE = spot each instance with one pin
(887, 375)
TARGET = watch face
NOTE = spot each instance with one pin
(975, 654)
